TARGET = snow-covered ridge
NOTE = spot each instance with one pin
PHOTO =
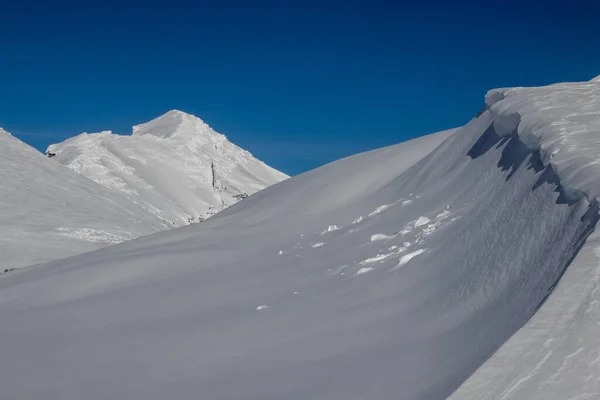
(392, 274)
(175, 166)
(48, 212)
(562, 121)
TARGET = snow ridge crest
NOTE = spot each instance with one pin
(562, 121)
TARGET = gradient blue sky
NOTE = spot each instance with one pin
(298, 83)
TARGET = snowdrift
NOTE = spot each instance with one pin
(393, 274)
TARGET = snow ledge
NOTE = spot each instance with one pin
(563, 122)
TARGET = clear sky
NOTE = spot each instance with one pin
(298, 83)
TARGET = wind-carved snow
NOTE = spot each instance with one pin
(380, 209)
(48, 211)
(555, 355)
(331, 228)
(175, 166)
(364, 270)
(506, 241)
(417, 230)
(407, 257)
(421, 221)
(357, 220)
(379, 236)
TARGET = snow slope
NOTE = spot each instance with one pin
(556, 355)
(49, 212)
(392, 274)
(174, 166)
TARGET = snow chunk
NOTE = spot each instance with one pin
(378, 257)
(364, 270)
(379, 236)
(262, 307)
(421, 221)
(407, 257)
(380, 209)
(357, 220)
(315, 245)
(331, 228)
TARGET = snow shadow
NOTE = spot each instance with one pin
(515, 154)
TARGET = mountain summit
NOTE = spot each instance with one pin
(176, 123)
(174, 166)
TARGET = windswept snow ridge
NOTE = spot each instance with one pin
(562, 121)
(47, 211)
(555, 355)
(174, 166)
(443, 250)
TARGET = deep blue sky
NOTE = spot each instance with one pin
(298, 83)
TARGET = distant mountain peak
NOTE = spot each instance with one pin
(596, 79)
(175, 166)
(175, 123)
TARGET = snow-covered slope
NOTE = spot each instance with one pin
(393, 274)
(174, 166)
(47, 211)
(556, 355)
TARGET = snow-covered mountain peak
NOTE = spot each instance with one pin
(4, 132)
(596, 79)
(175, 166)
(177, 123)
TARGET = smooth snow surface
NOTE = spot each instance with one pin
(174, 166)
(47, 211)
(444, 248)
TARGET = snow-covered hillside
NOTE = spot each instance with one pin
(392, 274)
(174, 166)
(47, 211)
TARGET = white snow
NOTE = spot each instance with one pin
(562, 121)
(379, 236)
(331, 228)
(47, 211)
(555, 355)
(497, 298)
(421, 221)
(380, 209)
(364, 270)
(174, 166)
(378, 257)
(407, 257)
